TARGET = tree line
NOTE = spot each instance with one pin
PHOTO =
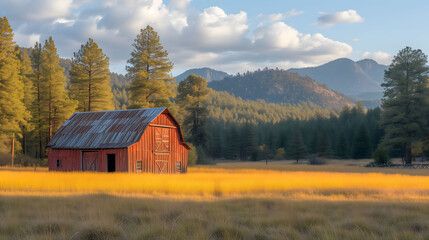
(35, 100)
(353, 133)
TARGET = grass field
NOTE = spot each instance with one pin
(341, 200)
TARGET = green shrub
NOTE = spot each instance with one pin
(381, 156)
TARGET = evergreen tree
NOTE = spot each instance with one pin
(342, 146)
(361, 143)
(248, 142)
(26, 72)
(90, 80)
(56, 106)
(36, 110)
(191, 96)
(297, 149)
(324, 145)
(13, 114)
(149, 71)
(405, 101)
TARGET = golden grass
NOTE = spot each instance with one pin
(109, 217)
(215, 183)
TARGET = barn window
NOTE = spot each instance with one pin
(59, 164)
(178, 166)
(162, 140)
(139, 166)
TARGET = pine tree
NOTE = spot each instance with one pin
(26, 72)
(361, 143)
(191, 96)
(56, 106)
(149, 71)
(36, 110)
(12, 110)
(405, 101)
(342, 146)
(297, 149)
(324, 145)
(90, 80)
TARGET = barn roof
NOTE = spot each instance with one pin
(105, 129)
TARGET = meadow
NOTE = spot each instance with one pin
(224, 201)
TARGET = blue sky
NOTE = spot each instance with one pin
(233, 36)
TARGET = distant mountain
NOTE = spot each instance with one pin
(279, 86)
(207, 73)
(346, 76)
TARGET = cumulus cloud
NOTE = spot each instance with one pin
(211, 37)
(330, 19)
(379, 57)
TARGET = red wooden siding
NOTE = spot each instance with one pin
(155, 157)
(71, 159)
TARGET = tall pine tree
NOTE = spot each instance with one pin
(36, 110)
(90, 80)
(191, 96)
(297, 149)
(149, 71)
(405, 101)
(26, 72)
(361, 143)
(56, 106)
(12, 109)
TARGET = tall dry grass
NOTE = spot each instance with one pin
(108, 217)
(209, 183)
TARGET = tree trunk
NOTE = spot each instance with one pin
(24, 142)
(13, 148)
(407, 158)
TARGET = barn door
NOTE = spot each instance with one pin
(161, 166)
(89, 161)
(162, 140)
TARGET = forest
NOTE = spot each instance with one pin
(39, 91)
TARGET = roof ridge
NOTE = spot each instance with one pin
(121, 110)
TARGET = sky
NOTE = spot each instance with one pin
(231, 36)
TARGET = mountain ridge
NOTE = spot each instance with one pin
(347, 76)
(280, 86)
(207, 73)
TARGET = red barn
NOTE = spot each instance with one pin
(140, 140)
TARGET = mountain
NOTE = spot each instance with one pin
(207, 73)
(346, 76)
(279, 86)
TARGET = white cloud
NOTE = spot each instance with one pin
(275, 17)
(36, 10)
(212, 37)
(379, 57)
(330, 19)
(179, 4)
(26, 40)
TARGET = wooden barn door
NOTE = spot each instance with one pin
(89, 161)
(162, 149)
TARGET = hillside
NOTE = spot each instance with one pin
(279, 86)
(346, 76)
(207, 73)
(224, 107)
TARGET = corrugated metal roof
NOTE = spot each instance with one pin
(105, 129)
